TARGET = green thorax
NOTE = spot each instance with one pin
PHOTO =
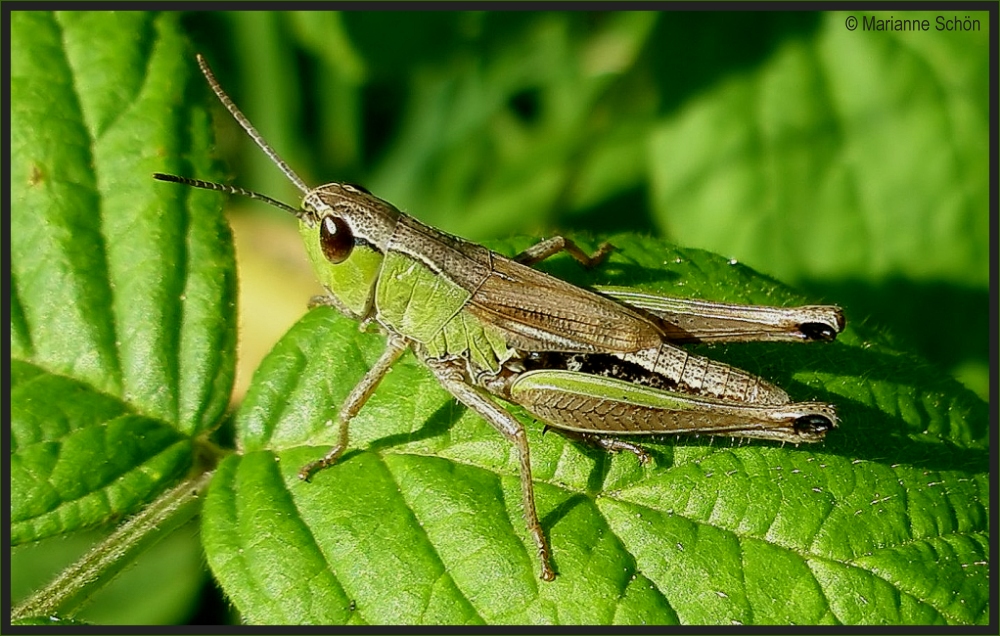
(431, 309)
(424, 291)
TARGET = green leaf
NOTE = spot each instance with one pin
(421, 521)
(879, 145)
(122, 288)
(80, 457)
(48, 621)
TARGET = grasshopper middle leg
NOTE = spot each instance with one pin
(607, 444)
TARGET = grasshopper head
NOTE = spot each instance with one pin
(346, 230)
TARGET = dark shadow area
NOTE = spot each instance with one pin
(869, 434)
(381, 118)
(946, 323)
(212, 35)
(526, 104)
(689, 51)
(559, 513)
(213, 608)
(866, 432)
(610, 273)
(384, 38)
(602, 457)
(392, 46)
(438, 423)
(625, 211)
(563, 509)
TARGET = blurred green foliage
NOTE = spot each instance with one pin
(851, 164)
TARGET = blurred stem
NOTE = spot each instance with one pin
(75, 585)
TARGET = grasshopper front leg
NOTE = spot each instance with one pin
(359, 395)
(450, 376)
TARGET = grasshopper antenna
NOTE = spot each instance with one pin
(219, 187)
(248, 127)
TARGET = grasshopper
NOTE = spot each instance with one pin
(589, 363)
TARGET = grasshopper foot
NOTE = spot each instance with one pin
(310, 469)
(609, 444)
(320, 301)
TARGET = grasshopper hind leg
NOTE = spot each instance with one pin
(608, 444)
(451, 377)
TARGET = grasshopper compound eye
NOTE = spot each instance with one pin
(335, 239)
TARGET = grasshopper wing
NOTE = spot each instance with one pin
(538, 312)
(692, 320)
